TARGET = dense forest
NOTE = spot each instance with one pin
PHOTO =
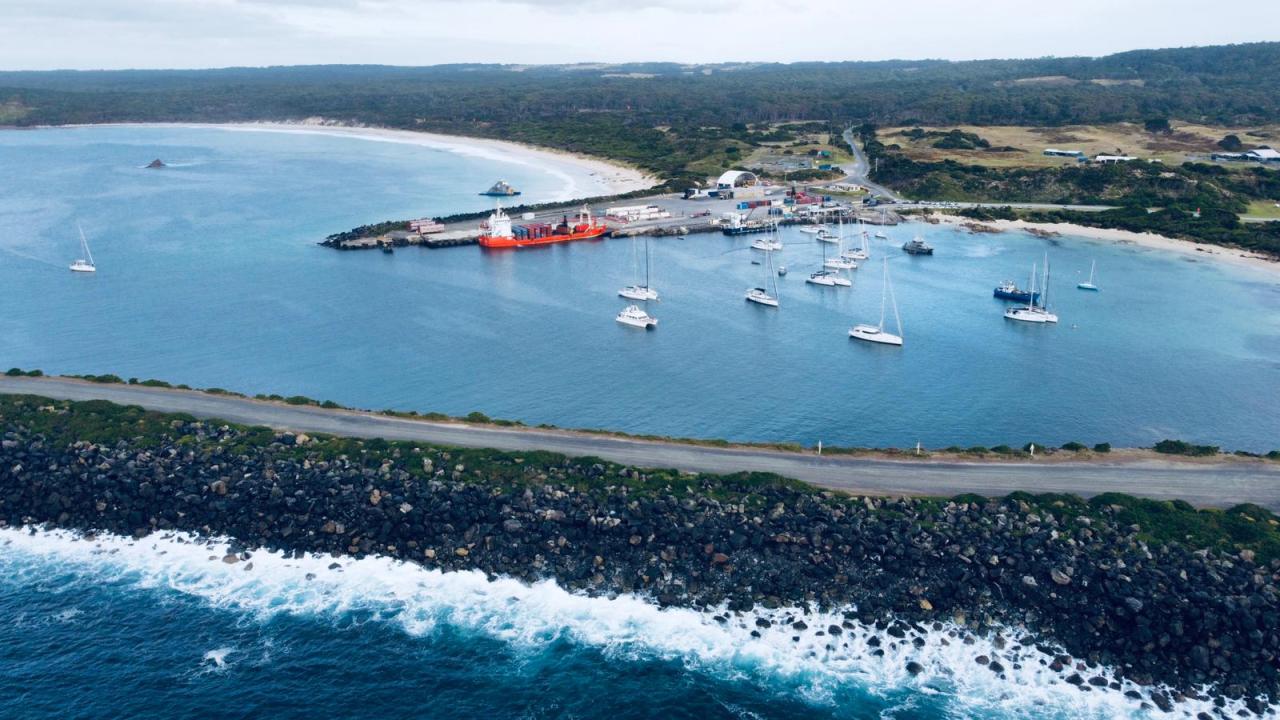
(665, 116)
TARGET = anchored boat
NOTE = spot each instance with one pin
(876, 333)
(633, 316)
(917, 246)
(1009, 290)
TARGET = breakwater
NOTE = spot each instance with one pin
(1106, 598)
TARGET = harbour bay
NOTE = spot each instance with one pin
(211, 277)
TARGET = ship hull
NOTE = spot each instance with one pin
(1021, 296)
(491, 241)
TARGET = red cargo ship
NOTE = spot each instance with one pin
(498, 232)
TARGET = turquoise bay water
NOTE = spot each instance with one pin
(210, 276)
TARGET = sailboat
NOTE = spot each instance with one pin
(84, 264)
(884, 220)
(637, 291)
(1088, 284)
(840, 261)
(861, 253)
(769, 242)
(1032, 312)
(760, 295)
(876, 333)
(829, 278)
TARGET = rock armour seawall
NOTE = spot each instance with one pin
(1088, 586)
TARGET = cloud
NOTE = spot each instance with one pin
(206, 33)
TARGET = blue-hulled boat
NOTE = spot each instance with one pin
(1008, 290)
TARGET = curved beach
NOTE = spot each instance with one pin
(618, 178)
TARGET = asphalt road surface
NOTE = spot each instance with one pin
(1217, 484)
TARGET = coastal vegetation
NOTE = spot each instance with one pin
(1102, 583)
(680, 122)
(1178, 447)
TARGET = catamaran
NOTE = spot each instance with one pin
(633, 316)
(760, 295)
(876, 333)
(1032, 312)
(84, 264)
(638, 291)
(1088, 284)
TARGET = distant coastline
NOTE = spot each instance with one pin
(618, 177)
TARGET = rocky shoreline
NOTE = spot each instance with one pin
(1081, 577)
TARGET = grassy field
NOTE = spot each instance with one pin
(1013, 146)
(1264, 209)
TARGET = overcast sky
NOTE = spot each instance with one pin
(44, 34)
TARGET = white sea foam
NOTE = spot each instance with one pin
(815, 665)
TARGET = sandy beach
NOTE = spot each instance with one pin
(617, 178)
(1242, 258)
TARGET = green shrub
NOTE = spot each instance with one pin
(14, 372)
(1181, 447)
(330, 405)
(1273, 455)
(477, 417)
(155, 383)
(300, 400)
(977, 450)
(1102, 448)
(1076, 447)
(1002, 450)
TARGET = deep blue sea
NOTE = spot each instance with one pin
(163, 628)
(210, 276)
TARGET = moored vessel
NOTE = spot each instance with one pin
(500, 233)
(917, 246)
(633, 316)
(1009, 290)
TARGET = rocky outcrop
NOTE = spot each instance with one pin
(1088, 586)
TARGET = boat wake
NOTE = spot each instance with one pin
(817, 657)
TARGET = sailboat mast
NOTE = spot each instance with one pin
(892, 298)
(84, 244)
(884, 291)
(646, 264)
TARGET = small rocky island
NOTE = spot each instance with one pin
(156, 164)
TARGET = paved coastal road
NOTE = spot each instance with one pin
(1216, 484)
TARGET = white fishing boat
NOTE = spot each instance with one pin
(876, 333)
(638, 291)
(1088, 284)
(760, 295)
(1033, 312)
(633, 316)
(84, 264)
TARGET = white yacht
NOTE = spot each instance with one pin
(1088, 284)
(876, 333)
(84, 264)
(760, 295)
(827, 236)
(638, 291)
(633, 316)
(828, 278)
(813, 229)
(769, 241)
(884, 220)
(840, 261)
(1031, 312)
(860, 253)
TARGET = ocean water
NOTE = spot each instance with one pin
(162, 628)
(210, 276)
